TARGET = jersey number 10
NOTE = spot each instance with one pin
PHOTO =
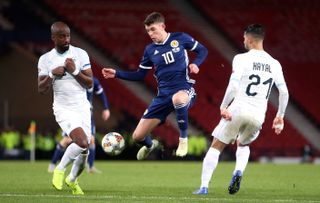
(168, 57)
(257, 82)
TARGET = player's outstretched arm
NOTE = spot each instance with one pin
(140, 74)
(278, 124)
(108, 73)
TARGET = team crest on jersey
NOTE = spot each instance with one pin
(174, 43)
(175, 46)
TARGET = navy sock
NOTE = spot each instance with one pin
(182, 119)
(58, 153)
(146, 142)
(92, 154)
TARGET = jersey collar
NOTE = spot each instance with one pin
(162, 43)
(64, 53)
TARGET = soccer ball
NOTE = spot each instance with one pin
(113, 143)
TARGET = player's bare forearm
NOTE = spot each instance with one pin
(85, 78)
(58, 72)
(44, 84)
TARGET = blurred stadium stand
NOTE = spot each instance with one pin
(292, 37)
(115, 28)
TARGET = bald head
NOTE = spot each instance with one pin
(60, 35)
(59, 27)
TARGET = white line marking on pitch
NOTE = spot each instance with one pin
(102, 197)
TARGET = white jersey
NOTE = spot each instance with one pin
(67, 91)
(255, 72)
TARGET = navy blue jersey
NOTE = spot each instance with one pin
(97, 90)
(170, 60)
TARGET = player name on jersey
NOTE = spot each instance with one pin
(261, 67)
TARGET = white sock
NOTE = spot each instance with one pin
(69, 156)
(242, 158)
(210, 163)
(78, 166)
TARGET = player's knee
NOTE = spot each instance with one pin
(137, 137)
(218, 145)
(180, 98)
(83, 144)
(81, 141)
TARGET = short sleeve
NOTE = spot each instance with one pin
(84, 60)
(42, 67)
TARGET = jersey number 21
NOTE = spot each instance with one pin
(256, 81)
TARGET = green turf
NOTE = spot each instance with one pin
(150, 181)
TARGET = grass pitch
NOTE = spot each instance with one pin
(153, 181)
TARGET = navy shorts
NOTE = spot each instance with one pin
(161, 106)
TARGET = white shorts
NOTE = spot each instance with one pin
(70, 118)
(244, 128)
